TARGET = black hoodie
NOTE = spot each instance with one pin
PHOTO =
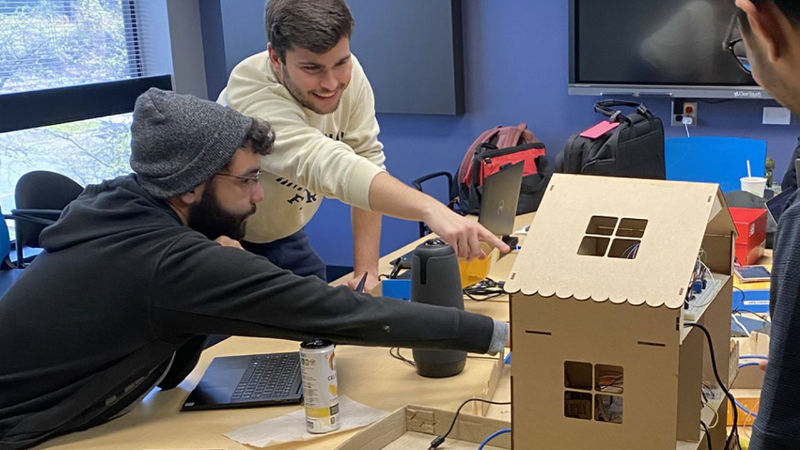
(122, 286)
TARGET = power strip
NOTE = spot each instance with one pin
(698, 304)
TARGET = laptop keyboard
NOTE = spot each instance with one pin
(269, 376)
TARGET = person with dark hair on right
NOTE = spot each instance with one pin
(770, 30)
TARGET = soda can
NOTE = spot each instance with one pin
(320, 390)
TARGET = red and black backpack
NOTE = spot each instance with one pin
(494, 149)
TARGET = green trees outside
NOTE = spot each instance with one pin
(46, 44)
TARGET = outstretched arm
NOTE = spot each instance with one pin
(390, 196)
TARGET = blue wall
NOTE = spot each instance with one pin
(516, 62)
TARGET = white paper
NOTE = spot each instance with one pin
(292, 426)
(523, 230)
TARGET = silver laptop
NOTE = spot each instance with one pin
(499, 199)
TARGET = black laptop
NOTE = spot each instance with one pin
(248, 380)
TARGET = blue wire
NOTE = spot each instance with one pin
(492, 436)
(747, 364)
(752, 357)
(507, 359)
(744, 408)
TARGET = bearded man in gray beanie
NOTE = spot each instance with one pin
(139, 270)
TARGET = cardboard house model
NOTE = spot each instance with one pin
(601, 355)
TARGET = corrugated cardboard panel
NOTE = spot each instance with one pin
(721, 221)
(676, 215)
(415, 426)
(379, 434)
(642, 340)
(689, 382)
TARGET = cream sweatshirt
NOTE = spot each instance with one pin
(332, 155)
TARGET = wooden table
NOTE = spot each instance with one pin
(366, 374)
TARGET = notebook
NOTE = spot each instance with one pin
(499, 199)
(248, 380)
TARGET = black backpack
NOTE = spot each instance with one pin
(623, 145)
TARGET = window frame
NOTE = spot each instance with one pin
(52, 106)
(33, 109)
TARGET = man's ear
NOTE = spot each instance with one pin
(274, 58)
(193, 196)
(769, 25)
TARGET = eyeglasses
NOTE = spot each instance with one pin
(246, 181)
(735, 45)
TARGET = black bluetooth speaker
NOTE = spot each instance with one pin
(435, 280)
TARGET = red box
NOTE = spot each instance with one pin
(751, 225)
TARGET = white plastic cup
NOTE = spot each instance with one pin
(754, 185)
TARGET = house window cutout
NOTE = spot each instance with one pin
(602, 225)
(608, 408)
(604, 229)
(624, 248)
(593, 391)
(631, 227)
(593, 246)
(578, 405)
(578, 375)
(608, 379)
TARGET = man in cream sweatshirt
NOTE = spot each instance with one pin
(316, 96)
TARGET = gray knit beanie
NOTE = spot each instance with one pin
(178, 142)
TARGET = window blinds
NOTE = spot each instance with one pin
(57, 43)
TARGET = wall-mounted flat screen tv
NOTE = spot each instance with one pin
(652, 47)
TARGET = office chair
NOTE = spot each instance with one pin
(8, 272)
(452, 194)
(40, 196)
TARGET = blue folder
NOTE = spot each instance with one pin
(756, 301)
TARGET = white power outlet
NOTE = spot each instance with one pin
(684, 113)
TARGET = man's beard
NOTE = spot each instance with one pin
(208, 217)
(303, 98)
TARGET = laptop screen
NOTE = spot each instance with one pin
(499, 199)
(778, 204)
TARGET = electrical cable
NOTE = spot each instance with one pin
(746, 409)
(716, 419)
(437, 441)
(706, 405)
(741, 325)
(492, 436)
(752, 357)
(401, 357)
(708, 434)
(486, 288)
(734, 430)
(739, 311)
(748, 364)
(710, 274)
(744, 296)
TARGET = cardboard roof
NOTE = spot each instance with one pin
(677, 215)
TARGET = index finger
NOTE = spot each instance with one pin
(494, 241)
